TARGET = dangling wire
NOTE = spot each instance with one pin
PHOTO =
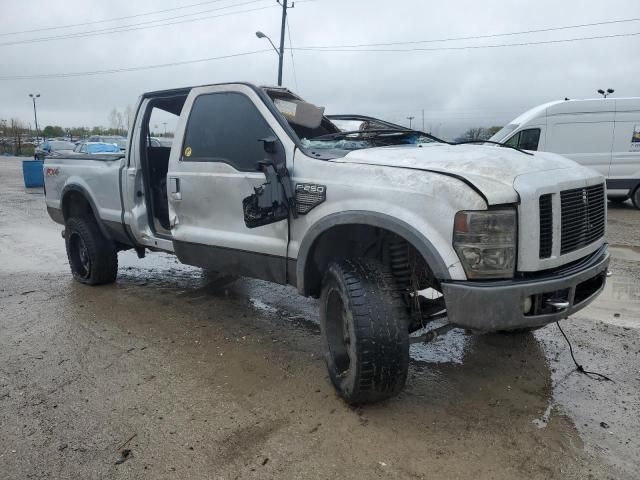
(293, 65)
(579, 367)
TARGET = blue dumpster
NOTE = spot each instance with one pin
(32, 173)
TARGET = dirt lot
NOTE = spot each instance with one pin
(207, 379)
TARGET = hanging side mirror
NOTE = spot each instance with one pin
(274, 199)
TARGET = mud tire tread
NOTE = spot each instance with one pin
(102, 251)
(381, 330)
(635, 198)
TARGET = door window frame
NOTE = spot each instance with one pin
(183, 158)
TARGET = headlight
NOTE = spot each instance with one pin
(485, 242)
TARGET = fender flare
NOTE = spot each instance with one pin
(374, 219)
(85, 194)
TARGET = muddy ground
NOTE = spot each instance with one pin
(207, 379)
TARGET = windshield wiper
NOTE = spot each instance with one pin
(375, 133)
(494, 143)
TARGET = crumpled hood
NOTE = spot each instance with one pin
(492, 170)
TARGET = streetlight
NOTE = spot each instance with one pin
(35, 115)
(607, 93)
(259, 34)
(410, 118)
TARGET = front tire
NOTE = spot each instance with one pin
(635, 198)
(364, 327)
(93, 258)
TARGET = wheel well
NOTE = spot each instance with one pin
(75, 204)
(361, 241)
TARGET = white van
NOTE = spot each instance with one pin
(601, 133)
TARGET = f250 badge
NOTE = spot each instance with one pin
(51, 171)
(309, 195)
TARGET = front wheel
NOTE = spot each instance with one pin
(636, 197)
(364, 327)
(93, 258)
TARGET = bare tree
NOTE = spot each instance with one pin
(128, 114)
(477, 133)
(16, 128)
(113, 118)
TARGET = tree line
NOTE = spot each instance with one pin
(480, 133)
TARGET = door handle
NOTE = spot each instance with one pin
(174, 188)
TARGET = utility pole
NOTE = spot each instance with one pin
(35, 115)
(282, 27)
(411, 117)
(423, 119)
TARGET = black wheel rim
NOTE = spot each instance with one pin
(338, 333)
(80, 260)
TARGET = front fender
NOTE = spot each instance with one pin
(375, 219)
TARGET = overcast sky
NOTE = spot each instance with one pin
(456, 88)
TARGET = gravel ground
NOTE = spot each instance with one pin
(202, 378)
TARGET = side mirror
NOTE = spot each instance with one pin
(274, 153)
(270, 144)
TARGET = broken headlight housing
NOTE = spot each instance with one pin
(485, 242)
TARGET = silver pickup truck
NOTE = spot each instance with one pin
(390, 227)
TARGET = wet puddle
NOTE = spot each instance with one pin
(625, 252)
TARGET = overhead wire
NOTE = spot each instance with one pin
(293, 63)
(476, 37)
(113, 19)
(142, 25)
(465, 47)
(129, 69)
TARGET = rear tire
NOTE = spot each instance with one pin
(93, 258)
(364, 326)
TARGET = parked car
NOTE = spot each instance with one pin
(97, 148)
(602, 134)
(120, 141)
(260, 183)
(50, 148)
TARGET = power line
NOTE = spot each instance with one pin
(476, 37)
(93, 22)
(139, 26)
(467, 47)
(293, 65)
(99, 72)
(128, 69)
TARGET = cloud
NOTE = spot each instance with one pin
(456, 89)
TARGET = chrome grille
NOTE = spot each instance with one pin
(546, 226)
(583, 217)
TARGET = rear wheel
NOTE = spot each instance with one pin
(93, 258)
(364, 326)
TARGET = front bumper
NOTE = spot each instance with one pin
(491, 306)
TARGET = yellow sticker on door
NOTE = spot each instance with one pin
(187, 152)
